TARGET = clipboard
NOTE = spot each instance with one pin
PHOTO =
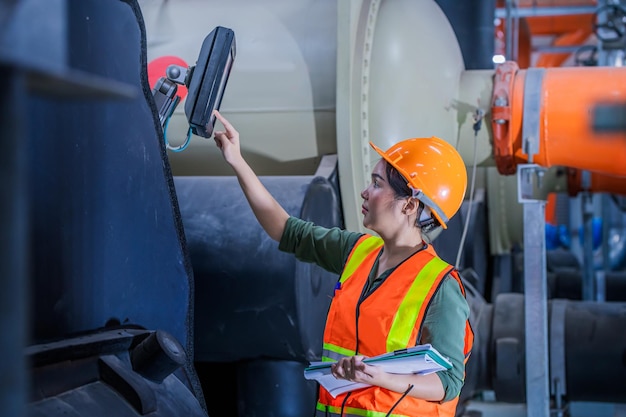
(421, 359)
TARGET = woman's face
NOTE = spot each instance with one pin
(381, 209)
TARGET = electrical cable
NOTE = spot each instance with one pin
(478, 118)
(167, 144)
(343, 403)
(400, 399)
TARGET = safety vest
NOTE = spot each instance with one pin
(388, 319)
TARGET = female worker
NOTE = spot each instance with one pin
(393, 292)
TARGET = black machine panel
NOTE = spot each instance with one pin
(107, 242)
(105, 246)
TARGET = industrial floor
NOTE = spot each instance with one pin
(576, 409)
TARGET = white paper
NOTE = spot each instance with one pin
(422, 359)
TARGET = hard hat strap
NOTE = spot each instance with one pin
(423, 198)
(425, 220)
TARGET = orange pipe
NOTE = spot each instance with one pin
(597, 183)
(568, 30)
(558, 25)
(502, 121)
(566, 137)
(556, 59)
(551, 208)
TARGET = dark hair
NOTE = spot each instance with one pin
(398, 183)
(400, 186)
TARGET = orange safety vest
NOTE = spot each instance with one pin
(390, 318)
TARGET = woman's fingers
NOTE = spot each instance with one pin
(338, 371)
(347, 368)
(218, 141)
(230, 130)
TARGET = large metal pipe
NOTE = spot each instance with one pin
(251, 300)
(587, 350)
(473, 22)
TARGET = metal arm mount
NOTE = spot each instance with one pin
(206, 82)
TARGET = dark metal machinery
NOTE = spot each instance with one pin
(96, 282)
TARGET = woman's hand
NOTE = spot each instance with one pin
(354, 369)
(227, 140)
(427, 387)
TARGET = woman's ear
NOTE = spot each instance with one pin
(410, 206)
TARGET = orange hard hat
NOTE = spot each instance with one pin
(434, 170)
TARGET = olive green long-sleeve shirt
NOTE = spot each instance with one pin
(444, 324)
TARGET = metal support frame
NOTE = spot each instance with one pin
(512, 29)
(558, 384)
(535, 295)
(545, 11)
(589, 278)
(529, 177)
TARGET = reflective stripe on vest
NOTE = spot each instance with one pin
(363, 247)
(407, 316)
(335, 411)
